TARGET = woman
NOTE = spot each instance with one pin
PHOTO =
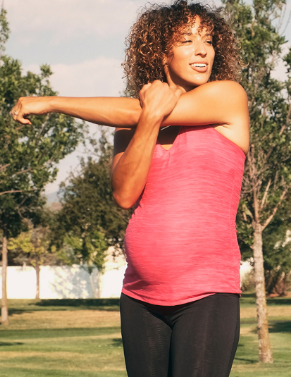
(180, 298)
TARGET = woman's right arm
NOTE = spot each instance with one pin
(133, 149)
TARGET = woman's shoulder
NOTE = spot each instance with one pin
(225, 88)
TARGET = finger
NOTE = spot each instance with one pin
(19, 117)
(146, 86)
(142, 93)
(14, 112)
(143, 89)
(24, 121)
(157, 82)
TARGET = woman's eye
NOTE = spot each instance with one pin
(189, 40)
(209, 42)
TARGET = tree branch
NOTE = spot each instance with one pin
(3, 167)
(280, 133)
(15, 191)
(265, 194)
(9, 192)
(269, 219)
(19, 172)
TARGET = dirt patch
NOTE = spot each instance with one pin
(65, 319)
(273, 311)
(247, 331)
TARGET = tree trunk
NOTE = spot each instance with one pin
(95, 290)
(4, 308)
(99, 280)
(37, 270)
(265, 353)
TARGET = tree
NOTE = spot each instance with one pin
(277, 250)
(32, 248)
(89, 250)
(89, 221)
(28, 154)
(267, 176)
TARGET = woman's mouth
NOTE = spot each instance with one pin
(199, 67)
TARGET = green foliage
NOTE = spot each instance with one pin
(89, 249)
(277, 251)
(248, 282)
(32, 247)
(4, 31)
(28, 154)
(267, 177)
(89, 221)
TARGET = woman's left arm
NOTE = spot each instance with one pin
(118, 112)
(217, 102)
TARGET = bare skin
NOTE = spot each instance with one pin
(187, 100)
(222, 105)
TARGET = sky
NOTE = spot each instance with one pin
(83, 42)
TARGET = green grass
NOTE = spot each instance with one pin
(70, 338)
(246, 362)
(62, 352)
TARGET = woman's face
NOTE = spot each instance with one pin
(190, 62)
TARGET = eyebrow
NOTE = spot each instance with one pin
(205, 35)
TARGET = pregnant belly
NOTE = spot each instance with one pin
(163, 254)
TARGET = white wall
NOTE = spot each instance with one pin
(64, 281)
(70, 282)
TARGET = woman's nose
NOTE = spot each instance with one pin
(199, 48)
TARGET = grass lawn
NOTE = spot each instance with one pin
(70, 338)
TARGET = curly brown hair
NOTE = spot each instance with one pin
(155, 32)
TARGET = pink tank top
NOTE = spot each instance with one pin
(181, 242)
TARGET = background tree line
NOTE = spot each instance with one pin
(89, 221)
(267, 178)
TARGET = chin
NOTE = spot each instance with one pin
(194, 84)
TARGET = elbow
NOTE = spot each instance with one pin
(122, 201)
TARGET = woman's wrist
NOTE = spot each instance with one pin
(53, 104)
(153, 118)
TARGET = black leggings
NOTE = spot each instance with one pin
(197, 339)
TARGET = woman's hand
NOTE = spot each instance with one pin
(159, 99)
(26, 106)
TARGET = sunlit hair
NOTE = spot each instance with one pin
(160, 26)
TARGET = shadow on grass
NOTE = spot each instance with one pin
(249, 299)
(246, 361)
(284, 326)
(117, 342)
(248, 295)
(246, 351)
(29, 306)
(111, 304)
(5, 344)
(277, 301)
(240, 350)
(20, 334)
(18, 311)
